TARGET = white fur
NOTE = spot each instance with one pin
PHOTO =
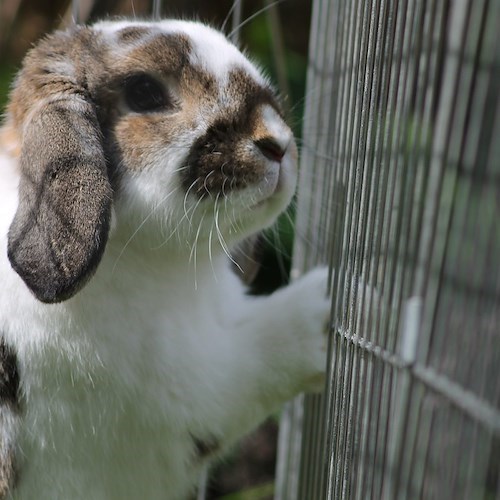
(162, 345)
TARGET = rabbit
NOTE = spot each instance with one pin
(135, 156)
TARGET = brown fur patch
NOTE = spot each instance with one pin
(5, 468)
(132, 34)
(9, 407)
(164, 53)
(9, 377)
(7, 474)
(135, 137)
(251, 94)
(200, 85)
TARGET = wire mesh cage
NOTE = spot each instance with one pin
(400, 194)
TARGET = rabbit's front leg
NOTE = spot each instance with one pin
(284, 338)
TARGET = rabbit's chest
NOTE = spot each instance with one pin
(81, 435)
(135, 401)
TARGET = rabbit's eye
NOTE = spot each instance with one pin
(143, 93)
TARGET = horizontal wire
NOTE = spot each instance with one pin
(477, 408)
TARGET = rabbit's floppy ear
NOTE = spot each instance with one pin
(60, 229)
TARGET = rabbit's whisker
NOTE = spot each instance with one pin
(221, 237)
(184, 216)
(193, 254)
(205, 182)
(228, 15)
(253, 16)
(193, 210)
(141, 225)
(186, 198)
(210, 250)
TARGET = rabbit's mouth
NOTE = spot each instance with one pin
(279, 182)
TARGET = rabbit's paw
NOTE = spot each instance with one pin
(307, 306)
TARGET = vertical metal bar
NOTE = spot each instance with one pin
(278, 47)
(202, 484)
(289, 450)
(157, 9)
(410, 331)
(236, 21)
(75, 11)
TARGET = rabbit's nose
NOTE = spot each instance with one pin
(271, 148)
(273, 136)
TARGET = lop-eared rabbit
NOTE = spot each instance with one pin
(134, 157)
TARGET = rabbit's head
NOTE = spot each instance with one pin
(167, 122)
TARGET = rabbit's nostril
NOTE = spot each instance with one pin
(271, 149)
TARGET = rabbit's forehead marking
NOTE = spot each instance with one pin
(207, 49)
(132, 33)
(164, 52)
(167, 55)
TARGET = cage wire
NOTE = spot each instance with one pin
(400, 194)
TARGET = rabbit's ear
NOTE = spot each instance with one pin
(60, 229)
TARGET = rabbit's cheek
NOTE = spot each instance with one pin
(139, 140)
